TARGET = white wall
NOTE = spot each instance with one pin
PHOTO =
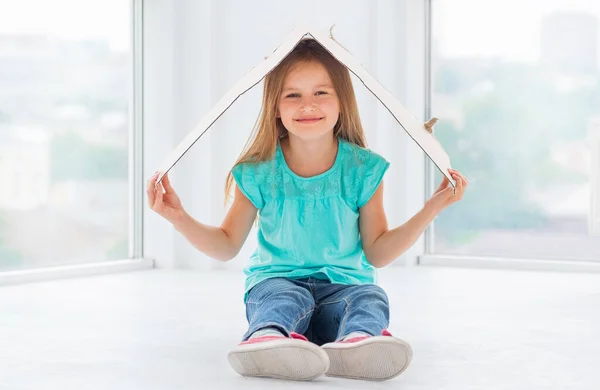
(196, 50)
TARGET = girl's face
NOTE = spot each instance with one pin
(308, 107)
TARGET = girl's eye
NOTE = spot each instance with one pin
(297, 95)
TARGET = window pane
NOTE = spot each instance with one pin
(517, 89)
(64, 102)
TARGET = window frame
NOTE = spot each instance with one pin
(136, 187)
(430, 256)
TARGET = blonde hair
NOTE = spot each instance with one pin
(262, 142)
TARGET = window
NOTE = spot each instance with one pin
(65, 88)
(516, 85)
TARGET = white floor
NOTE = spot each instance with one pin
(470, 329)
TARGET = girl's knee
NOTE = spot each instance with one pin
(279, 289)
(371, 293)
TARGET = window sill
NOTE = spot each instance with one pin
(466, 261)
(76, 270)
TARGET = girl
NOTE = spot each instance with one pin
(312, 302)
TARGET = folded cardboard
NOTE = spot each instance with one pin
(421, 134)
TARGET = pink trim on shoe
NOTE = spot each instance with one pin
(298, 336)
(355, 339)
(281, 357)
(261, 339)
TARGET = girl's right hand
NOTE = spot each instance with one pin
(167, 203)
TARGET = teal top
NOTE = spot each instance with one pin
(308, 226)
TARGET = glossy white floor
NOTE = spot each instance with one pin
(470, 329)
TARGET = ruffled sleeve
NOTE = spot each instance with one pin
(244, 176)
(373, 172)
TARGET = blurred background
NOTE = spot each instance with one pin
(65, 86)
(516, 84)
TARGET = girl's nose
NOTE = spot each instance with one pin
(307, 106)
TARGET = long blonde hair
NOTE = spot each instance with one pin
(262, 142)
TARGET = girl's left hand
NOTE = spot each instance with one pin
(444, 196)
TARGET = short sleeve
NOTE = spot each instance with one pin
(244, 177)
(373, 172)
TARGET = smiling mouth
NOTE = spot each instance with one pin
(308, 120)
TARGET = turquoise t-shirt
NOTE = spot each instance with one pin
(308, 226)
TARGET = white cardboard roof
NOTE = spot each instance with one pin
(415, 128)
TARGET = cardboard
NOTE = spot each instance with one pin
(415, 128)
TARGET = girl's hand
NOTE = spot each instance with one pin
(444, 196)
(167, 203)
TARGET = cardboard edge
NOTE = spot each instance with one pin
(250, 80)
(326, 41)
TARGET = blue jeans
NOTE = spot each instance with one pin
(323, 312)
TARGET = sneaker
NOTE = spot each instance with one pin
(293, 358)
(375, 358)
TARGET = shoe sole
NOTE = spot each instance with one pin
(375, 358)
(280, 359)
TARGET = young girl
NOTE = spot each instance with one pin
(312, 302)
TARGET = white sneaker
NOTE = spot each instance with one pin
(280, 357)
(375, 358)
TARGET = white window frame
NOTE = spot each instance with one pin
(135, 260)
(430, 257)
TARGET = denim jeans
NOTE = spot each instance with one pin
(322, 311)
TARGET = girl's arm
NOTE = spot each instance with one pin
(222, 243)
(381, 245)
